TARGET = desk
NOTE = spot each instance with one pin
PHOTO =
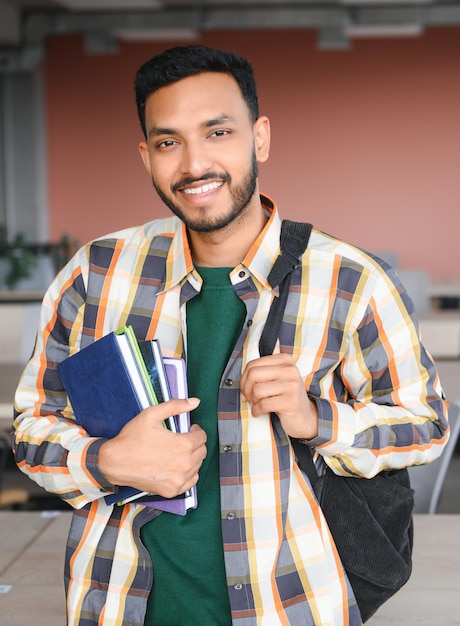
(444, 288)
(32, 553)
(15, 297)
(441, 334)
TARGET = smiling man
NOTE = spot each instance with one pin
(350, 379)
(202, 150)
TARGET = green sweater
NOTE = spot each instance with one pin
(189, 584)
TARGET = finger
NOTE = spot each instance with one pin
(278, 359)
(270, 389)
(268, 380)
(199, 435)
(276, 401)
(199, 454)
(162, 411)
(268, 367)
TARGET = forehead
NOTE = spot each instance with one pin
(196, 98)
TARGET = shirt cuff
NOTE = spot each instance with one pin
(336, 426)
(82, 463)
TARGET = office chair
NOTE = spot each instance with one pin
(427, 480)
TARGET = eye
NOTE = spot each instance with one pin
(220, 133)
(167, 143)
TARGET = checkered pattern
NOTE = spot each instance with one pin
(353, 333)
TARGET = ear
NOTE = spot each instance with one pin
(144, 152)
(262, 138)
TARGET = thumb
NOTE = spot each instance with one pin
(162, 411)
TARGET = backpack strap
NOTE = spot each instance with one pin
(293, 243)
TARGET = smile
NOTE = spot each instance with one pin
(203, 189)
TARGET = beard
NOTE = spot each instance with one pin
(240, 194)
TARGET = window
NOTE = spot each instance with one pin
(23, 207)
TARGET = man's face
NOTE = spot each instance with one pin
(202, 150)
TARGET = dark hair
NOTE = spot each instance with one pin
(180, 62)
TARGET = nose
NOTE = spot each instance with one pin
(196, 159)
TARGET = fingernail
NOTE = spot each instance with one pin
(193, 402)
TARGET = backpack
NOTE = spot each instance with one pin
(370, 519)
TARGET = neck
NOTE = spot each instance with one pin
(228, 246)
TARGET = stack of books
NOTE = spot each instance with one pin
(111, 381)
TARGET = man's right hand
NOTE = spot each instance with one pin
(149, 457)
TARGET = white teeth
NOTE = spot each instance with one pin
(203, 189)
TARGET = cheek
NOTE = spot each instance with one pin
(162, 173)
(237, 163)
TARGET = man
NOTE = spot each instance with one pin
(350, 378)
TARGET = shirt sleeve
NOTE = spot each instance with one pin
(49, 446)
(391, 411)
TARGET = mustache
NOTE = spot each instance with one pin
(189, 180)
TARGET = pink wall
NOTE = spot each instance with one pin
(366, 142)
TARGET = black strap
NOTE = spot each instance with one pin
(304, 458)
(293, 243)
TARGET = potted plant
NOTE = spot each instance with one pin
(17, 261)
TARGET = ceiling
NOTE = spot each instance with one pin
(25, 24)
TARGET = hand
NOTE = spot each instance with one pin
(149, 457)
(272, 384)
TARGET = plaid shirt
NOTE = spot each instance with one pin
(353, 334)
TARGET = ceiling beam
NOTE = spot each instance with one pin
(329, 20)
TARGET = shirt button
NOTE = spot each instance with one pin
(242, 274)
(227, 448)
(238, 587)
(228, 382)
(249, 323)
(230, 516)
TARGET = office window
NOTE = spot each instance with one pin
(23, 206)
(2, 163)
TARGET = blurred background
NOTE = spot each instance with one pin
(363, 98)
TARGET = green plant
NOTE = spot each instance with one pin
(20, 259)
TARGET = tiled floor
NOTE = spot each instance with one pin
(31, 580)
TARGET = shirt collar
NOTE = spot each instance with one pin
(258, 261)
(265, 249)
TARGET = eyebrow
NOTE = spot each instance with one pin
(157, 131)
(221, 119)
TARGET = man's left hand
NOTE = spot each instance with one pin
(272, 384)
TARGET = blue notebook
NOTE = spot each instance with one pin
(105, 385)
